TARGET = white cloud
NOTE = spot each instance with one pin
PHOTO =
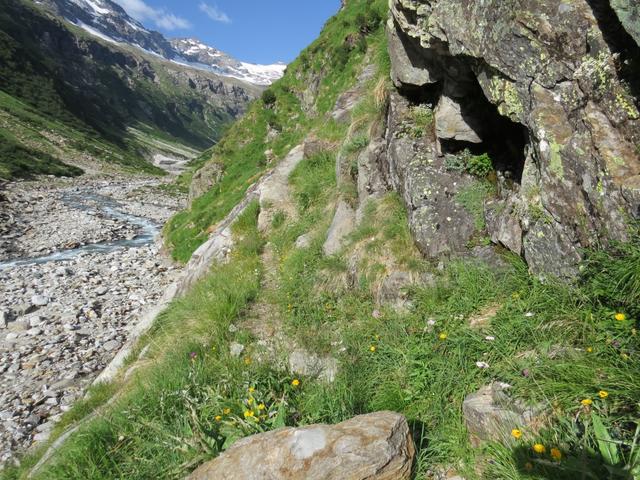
(139, 10)
(214, 13)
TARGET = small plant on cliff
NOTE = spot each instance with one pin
(479, 165)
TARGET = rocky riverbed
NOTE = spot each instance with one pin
(78, 266)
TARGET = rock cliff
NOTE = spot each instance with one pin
(549, 90)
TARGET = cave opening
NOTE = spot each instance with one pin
(504, 140)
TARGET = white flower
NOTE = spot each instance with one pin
(431, 322)
(529, 314)
(482, 365)
(489, 338)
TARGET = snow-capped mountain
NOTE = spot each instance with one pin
(109, 21)
(197, 54)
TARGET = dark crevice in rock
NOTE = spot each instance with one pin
(428, 95)
(504, 140)
(620, 42)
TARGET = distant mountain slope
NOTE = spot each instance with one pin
(63, 76)
(109, 21)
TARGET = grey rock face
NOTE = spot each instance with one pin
(439, 224)
(548, 90)
(342, 225)
(377, 446)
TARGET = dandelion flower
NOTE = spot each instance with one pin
(443, 336)
(226, 411)
(516, 433)
(586, 402)
(539, 448)
(295, 382)
(248, 413)
(262, 406)
(252, 389)
(603, 394)
(589, 349)
(556, 454)
(218, 418)
(250, 401)
(372, 348)
(621, 317)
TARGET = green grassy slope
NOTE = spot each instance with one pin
(189, 399)
(329, 61)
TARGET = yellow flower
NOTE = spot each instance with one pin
(515, 433)
(372, 348)
(262, 406)
(226, 411)
(251, 389)
(247, 361)
(589, 349)
(621, 317)
(556, 454)
(624, 356)
(603, 394)
(539, 448)
(248, 413)
(218, 418)
(443, 336)
(249, 401)
(586, 402)
(295, 382)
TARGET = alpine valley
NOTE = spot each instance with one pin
(412, 254)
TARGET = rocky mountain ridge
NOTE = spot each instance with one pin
(107, 20)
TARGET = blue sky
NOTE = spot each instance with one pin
(258, 31)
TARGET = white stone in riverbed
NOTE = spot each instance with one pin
(39, 300)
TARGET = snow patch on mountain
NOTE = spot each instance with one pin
(108, 21)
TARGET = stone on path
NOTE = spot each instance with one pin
(377, 446)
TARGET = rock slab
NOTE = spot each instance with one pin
(376, 446)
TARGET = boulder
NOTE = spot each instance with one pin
(491, 414)
(309, 364)
(377, 446)
(451, 123)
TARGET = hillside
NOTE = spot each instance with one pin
(416, 256)
(67, 95)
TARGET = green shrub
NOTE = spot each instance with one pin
(480, 165)
(269, 97)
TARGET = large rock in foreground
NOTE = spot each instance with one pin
(377, 446)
